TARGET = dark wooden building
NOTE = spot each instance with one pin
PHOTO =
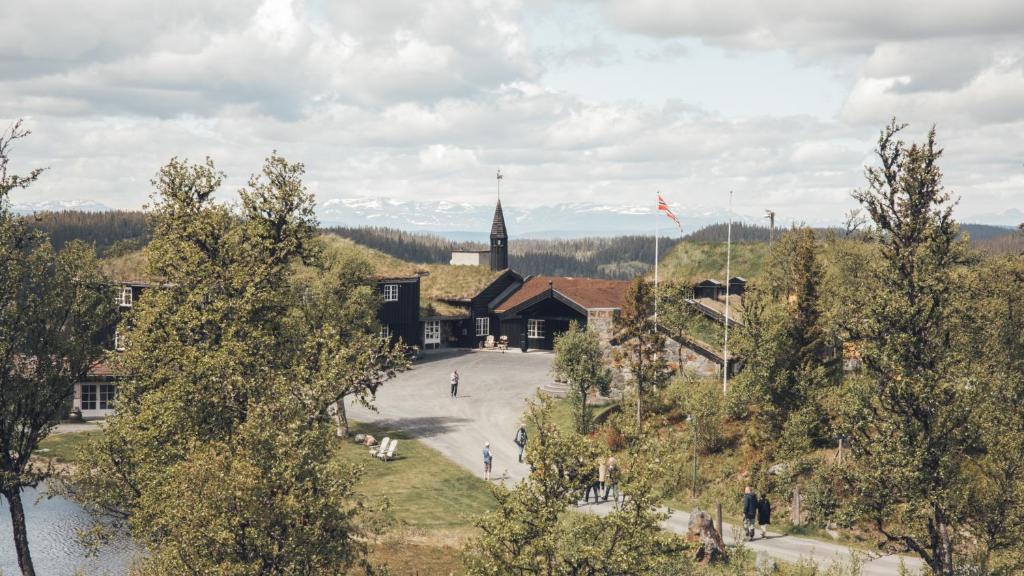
(708, 289)
(94, 396)
(399, 313)
(737, 285)
(544, 306)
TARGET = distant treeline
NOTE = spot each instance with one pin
(112, 233)
(741, 232)
(616, 257)
(409, 246)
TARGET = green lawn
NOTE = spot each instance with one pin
(426, 490)
(64, 447)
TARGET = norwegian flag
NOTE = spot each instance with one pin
(663, 206)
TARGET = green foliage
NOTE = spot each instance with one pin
(790, 356)
(534, 530)
(928, 439)
(702, 401)
(220, 455)
(54, 309)
(642, 346)
(580, 360)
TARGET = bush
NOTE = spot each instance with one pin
(702, 400)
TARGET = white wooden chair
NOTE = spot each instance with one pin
(489, 342)
(391, 451)
(379, 449)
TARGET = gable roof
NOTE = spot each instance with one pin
(498, 225)
(587, 293)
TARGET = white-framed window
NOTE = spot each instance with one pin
(98, 396)
(432, 332)
(385, 332)
(119, 341)
(534, 328)
(483, 326)
(125, 298)
(391, 292)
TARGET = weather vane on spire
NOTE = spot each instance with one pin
(500, 176)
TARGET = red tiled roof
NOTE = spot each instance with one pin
(589, 293)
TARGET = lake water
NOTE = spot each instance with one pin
(53, 526)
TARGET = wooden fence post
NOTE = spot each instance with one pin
(796, 506)
(718, 517)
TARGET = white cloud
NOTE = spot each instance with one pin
(423, 100)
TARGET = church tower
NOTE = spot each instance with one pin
(499, 240)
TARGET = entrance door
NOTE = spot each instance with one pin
(432, 333)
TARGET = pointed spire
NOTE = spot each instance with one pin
(498, 225)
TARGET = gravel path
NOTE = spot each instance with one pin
(493, 391)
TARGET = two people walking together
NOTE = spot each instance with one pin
(756, 512)
(603, 477)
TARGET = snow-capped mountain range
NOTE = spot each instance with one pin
(473, 221)
(466, 221)
(58, 205)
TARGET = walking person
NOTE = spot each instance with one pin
(593, 482)
(612, 479)
(520, 441)
(749, 512)
(764, 515)
(455, 383)
(602, 475)
(487, 460)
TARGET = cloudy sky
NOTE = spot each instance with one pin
(600, 101)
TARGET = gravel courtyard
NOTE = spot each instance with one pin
(493, 389)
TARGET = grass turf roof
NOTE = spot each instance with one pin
(442, 281)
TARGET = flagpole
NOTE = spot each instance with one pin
(657, 228)
(728, 263)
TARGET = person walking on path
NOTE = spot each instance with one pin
(764, 515)
(611, 479)
(455, 383)
(593, 480)
(602, 475)
(749, 512)
(520, 441)
(487, 460)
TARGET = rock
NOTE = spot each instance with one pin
(359, 439)
(702, 529)
(777, 469)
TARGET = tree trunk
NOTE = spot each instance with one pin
(944, 555)
(584, 418)
(341, 419)
(20, 534)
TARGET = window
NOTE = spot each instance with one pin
(483, 326)
(432, 332)
(98, 396)
(125, 298)
(535, 328)
(119, 341)
(89, 396)
(385, 332)
(391, 292)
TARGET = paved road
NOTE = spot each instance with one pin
(493, 390)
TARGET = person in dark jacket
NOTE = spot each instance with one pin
(749, 512)
(764, 515)
(520, 439)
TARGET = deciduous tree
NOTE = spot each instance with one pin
(580, 360)
(54, 308)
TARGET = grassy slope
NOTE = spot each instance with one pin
(690, 261)
(426, 490)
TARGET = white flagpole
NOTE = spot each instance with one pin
(657, 222)
(728, 263)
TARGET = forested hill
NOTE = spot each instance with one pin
(616, 257)
(119, 232)
(113, 233)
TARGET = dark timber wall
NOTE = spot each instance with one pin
(403, 315)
